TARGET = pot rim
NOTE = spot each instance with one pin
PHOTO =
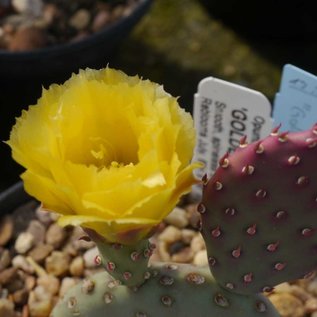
(12, 197)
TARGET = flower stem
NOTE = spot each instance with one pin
(127, 264)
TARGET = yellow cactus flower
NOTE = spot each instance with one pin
(107, 152)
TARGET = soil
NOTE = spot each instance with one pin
(40, 261)
(32, 24)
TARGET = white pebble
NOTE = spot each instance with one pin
(24, 242)
(89, 257)
(41, 293)
(201, 258)
(177, 218)
(32, 7)
(197, 243)
(282, 288)
(170, 234)
(188, 235)
(20, 262)
(66, 284)
(50, 283)
(44, 216)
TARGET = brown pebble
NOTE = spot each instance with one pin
(55, 235)
(20, 297)
(193, 215)
(117, 12)
(6, 308)
(77, 266)
(311, 305)
(6, 230)
(2, 42)
(299, 293)
(51, 13)
(30, 282)
(102, 19)
(37, 230)
(127, 11)
(8, 28)
(8, 275)
(25, 311)
(39, 307)
(28, 38)
(15, 284)
(57, 263)
(287, 305)
(103, 6)
(40, 252)
(5, 258)
(69, 249)
(80, 19)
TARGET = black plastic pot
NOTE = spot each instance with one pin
(12, 198)
(61, 60)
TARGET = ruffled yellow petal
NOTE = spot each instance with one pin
(124, 231)
(107, 151)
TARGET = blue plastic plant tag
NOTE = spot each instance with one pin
(295, 105)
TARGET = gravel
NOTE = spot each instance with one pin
(32, 281)
(27, 25)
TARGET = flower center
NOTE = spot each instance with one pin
(103, 153)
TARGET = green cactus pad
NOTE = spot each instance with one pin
(259, 213)
(170, 290)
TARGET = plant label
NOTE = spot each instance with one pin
(295, 105)
(223, 114)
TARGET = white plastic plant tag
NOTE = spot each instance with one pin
(223, 114)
